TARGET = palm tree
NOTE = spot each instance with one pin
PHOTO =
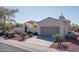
(59, 39)
(7, 14)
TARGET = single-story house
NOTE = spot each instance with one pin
(74, 27)
(49, 26)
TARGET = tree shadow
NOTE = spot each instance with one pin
(47, 38)
(63, 47)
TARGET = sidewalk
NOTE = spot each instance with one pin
(34, 45)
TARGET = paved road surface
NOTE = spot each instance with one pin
(9, 48)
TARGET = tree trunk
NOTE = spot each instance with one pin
(23, 37)
(58, 44)
(4, 23)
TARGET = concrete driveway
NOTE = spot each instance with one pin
(44, 41)
(47, 38)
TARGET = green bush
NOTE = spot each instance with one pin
(59, 37)
(24, 34)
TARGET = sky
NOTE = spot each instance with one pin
(38, 13)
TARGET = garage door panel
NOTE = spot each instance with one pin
(49, 30)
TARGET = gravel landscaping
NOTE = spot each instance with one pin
(72, 46)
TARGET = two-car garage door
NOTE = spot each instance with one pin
(49, 30)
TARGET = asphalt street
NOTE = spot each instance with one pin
(9, 48)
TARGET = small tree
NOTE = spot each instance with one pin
(23, 34)
(59, 39)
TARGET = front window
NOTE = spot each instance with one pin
(35, 26)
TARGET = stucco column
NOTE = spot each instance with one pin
(61, 26)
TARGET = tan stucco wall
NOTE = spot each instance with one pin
(30, 27)
(48, 22)
(61, 26)
(64, 27)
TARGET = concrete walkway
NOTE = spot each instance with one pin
(33, 44)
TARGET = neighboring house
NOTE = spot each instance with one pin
(49, 26)
(74, 27)
(32, 26)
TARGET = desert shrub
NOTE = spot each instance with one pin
(24, 34)
(59, 37)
